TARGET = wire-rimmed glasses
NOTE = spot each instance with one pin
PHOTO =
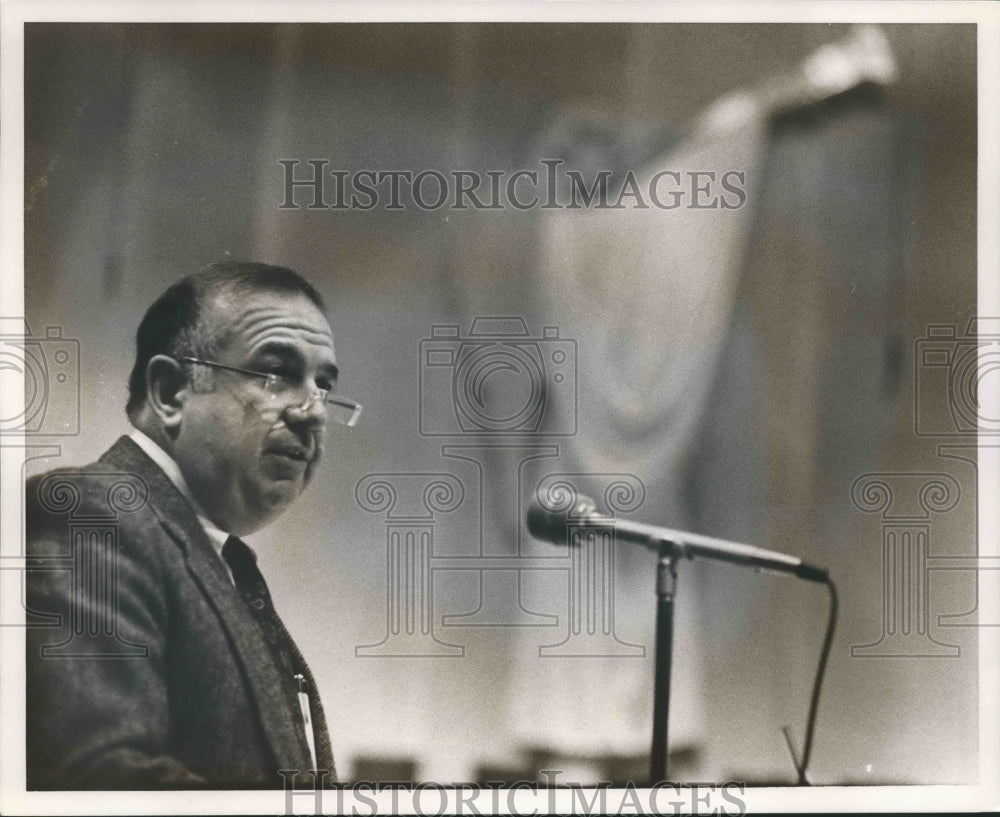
(339, 409)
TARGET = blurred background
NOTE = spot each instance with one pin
(790, 372)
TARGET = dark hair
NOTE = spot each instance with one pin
(172, 325)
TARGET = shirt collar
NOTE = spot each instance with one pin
(172, 470)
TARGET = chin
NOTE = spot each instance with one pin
(261, 519)
(279, 499)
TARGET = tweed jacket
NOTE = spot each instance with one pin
(145, 669)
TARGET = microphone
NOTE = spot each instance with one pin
(551, 526)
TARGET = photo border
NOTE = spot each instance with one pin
(14, 13)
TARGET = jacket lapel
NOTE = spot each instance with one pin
(208, 571)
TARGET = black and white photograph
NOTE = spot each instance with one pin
(507, 408)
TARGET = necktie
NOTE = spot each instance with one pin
(251, 586)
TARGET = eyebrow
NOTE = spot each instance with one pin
(287, 350)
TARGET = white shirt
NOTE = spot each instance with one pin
(172, 470)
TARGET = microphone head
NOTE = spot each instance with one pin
(545, 525)
(550, 526)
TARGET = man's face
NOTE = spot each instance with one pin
(246, 453)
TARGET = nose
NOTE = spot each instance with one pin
(311, 411)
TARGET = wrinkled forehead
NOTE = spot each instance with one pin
(249, 319)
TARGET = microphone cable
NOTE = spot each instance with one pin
(831, 625)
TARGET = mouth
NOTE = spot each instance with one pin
(291, 452)
(293, 456)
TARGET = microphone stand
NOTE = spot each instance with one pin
(670, 546)
(666, 588)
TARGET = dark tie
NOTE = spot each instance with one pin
(251, 586)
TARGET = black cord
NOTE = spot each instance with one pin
(831, 626)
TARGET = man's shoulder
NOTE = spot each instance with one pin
(62, 489)
(111, 489)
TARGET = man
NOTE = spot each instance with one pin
(157, 659)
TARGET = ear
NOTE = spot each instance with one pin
(166, 389)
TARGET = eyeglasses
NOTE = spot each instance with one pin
(342, 411)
